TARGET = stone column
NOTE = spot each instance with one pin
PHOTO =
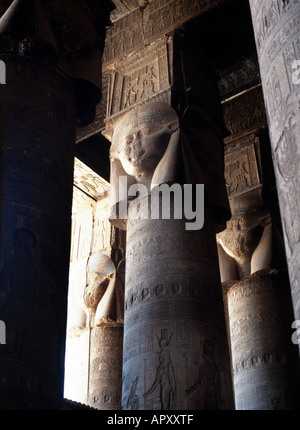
(277, 33)
(175, 347)
(36, 198)
(105, 366)
(104, 298)
(256, 289)
(96, 297)
(37, 132)
(264, 359)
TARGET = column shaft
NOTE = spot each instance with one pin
(277, 33)
(264, 360)
(37, 131)
(175, 346)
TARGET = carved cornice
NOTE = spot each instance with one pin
(149, 22)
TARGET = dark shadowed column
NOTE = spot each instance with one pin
(37, 132)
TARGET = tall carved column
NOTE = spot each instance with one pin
(264, 360)
(256, 290)
(175, 345)
(104, 298)
(37, 132)
(277, 33)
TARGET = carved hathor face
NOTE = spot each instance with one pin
(142, 137)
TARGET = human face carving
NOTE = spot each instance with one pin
(142, 148)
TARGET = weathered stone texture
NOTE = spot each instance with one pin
(94, 349)
(276, 25)
(105, 366)
(175, 347)
(264, 360)
(37, 171)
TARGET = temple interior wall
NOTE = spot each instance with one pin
(149, 57)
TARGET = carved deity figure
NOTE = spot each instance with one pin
(246, 245)
(165, 374)
(144, 150)
(103, 294)
(144, 142)
(151, 147)
(209, 373)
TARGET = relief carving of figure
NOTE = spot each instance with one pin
(165, 374)
(133, 399)
(210, 373)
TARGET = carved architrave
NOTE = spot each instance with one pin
(138, 78)
(144, 25)
(244, 113)
(244, 75)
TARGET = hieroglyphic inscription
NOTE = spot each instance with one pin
(244, 76)
(278, 41)
(267, 16)
(138, 78)
(168, 313)
(287, 161)
(126, 35)
(159, 245)
(245, 113)
(246, 361)
(241, 170)
(141, 27)
(259, 310)
(105, 373)
(168, 286)
(88, 181)
(251, 323)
